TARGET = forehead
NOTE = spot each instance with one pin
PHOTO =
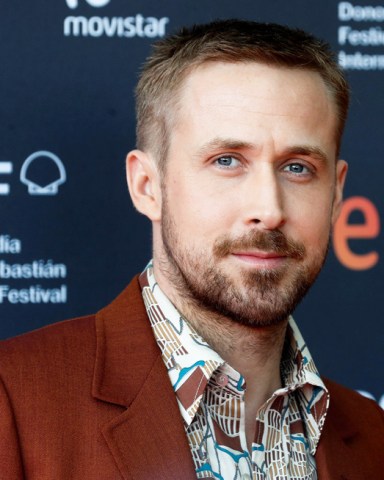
(248, 98)
(249, 77)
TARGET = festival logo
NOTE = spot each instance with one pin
(43, 172)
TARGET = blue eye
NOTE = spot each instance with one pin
(227, 161)
(296, 168)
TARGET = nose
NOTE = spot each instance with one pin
(263, 199)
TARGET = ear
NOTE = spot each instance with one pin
(144, 184)
(341, 173)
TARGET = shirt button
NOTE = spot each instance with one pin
(222, 380)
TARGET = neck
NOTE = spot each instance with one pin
(255, 352)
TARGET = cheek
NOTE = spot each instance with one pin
(197, 211)
(311, 222)
(205, 217)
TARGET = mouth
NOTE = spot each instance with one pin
(261, 259)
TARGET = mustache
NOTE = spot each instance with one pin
(273, 241)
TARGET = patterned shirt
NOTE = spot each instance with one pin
(210, 395)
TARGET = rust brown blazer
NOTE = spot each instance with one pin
(90, 399)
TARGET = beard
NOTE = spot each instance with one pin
(254, 298)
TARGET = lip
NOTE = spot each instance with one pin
(260, 259)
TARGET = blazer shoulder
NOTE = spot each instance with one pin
(349, 406)
(347, 396)
(61, 344)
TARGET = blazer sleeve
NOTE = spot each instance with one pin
(11, 467)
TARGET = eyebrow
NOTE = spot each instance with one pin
(219, 143)
(233, 144)
(309, 151)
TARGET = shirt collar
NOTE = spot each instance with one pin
(191, 362)
(189, 359)
(300, 375)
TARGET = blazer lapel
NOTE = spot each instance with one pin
(148, 439)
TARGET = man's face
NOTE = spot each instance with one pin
(250, 190)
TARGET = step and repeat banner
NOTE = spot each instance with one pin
(70, 239)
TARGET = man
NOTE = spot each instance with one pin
(197, 369)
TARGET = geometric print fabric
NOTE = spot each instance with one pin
(210, 395)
